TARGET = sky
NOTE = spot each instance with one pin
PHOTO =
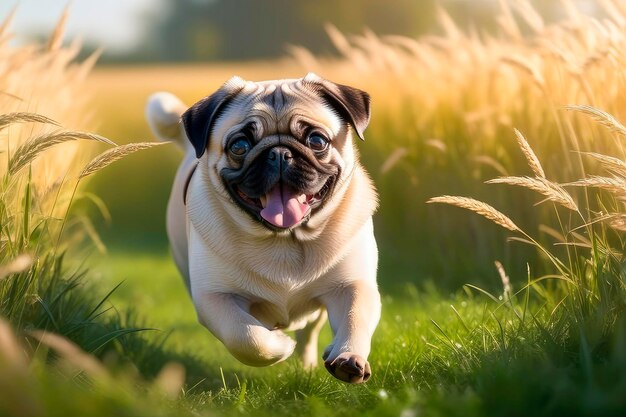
(113, 24)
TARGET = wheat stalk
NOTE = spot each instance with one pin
(478, 207)
(338, 39)
(552, 192)
(56, 40)
(6, 23)
(19, 264)
(530, 15)
(524, 65)
(550, 231)
(507, 21)
(23, 117)
(491, 162)
(600, 116)
(506, 282)
(611, 184)
(33, 147)
(393, 159)
(71, 353)
(108, 157)
(533, 161)
(618, 222)
(171, 379)
(610, 163)
(448, 25)
(10, 349)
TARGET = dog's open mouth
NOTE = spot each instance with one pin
(283, 207)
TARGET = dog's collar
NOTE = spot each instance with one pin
(187, 181)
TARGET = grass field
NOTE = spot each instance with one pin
(461, 354)
(541, 332)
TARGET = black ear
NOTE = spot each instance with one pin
(351, 104)
(199, 119)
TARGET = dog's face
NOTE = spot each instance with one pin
(278, 149)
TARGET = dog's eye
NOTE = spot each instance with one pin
(240, 147)
(317, 142)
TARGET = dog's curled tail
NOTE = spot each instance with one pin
(163, 111)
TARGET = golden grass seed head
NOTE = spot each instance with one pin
(506, 282)
(24, 117)
(491, 162)
(72, 354)
(56, 39)
(602, 117)
(35, 146)
(613, 165)
(44, 81)
(108, 157)
(533, 161)
(552, 191)
(19, 264)
(11, 353)
(618, 222)
(614, 185)
(478, 207)
(393, 159)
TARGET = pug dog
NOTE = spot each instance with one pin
(270, 218)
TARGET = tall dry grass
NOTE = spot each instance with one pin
(41, 167)
(444, 112)
(41, 89)
(588, 294)
(41, 162)
(45, 80)
(487, 83)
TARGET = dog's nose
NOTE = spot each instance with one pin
(280, 157)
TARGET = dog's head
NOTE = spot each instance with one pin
(279, 149)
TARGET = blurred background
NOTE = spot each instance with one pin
(190, 47)
(157, 31)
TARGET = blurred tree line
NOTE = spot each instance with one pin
(204, 30)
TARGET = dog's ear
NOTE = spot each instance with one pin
(199, 119)
(351, 104)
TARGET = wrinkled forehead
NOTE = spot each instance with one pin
(276, 106)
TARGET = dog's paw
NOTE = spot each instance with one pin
(349, 367)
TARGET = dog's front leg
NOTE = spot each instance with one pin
(353, 312)
(226, 314)
(227, 317)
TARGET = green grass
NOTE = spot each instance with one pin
(459, 354)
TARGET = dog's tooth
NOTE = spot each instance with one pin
(263, 199)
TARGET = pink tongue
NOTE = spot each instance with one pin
(282, 207)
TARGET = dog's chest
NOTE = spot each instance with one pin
(280, 261)
(281, 287)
